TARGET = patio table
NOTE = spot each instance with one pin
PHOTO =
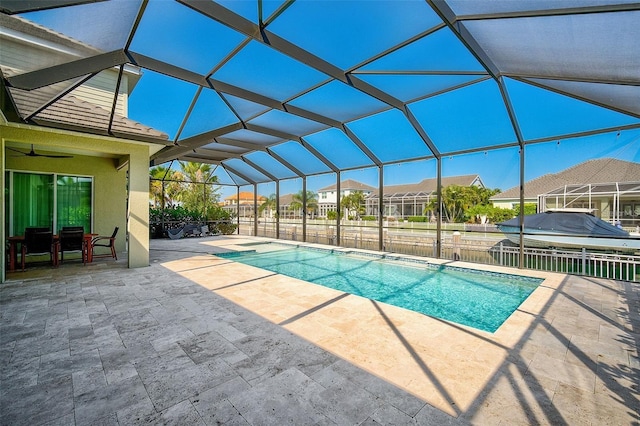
(19, 239)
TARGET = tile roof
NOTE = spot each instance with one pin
(602, 170)
(347, 185)
(71, 113)
(24, 26)
(245, 196)
(286, 199)
(424, 186)
(427, 186)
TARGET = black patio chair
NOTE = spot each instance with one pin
(31, 229)
(37, 244)
(72, 240)
(72, 228)
(109, 242)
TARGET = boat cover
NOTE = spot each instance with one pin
(567, 223)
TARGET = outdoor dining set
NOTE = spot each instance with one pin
(41, 241)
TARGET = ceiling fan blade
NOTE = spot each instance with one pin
(17, 150)
(32, 153)
(54, 156)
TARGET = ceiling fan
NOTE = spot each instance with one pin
(32, 153)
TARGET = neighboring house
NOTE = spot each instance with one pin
(609, 186)
(328, 196)
(242, 204)
(104, 183)
(402, 201)
(285, 207)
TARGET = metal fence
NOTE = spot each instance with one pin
(625, 267)
(475, 249)
(615, 266)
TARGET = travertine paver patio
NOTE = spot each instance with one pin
(196, 339)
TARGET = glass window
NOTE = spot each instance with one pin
(32, 201)
(73, 202)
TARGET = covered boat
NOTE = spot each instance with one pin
(570, 229)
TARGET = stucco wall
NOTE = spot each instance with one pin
(107, 160)
(109, 187)
(21, 55)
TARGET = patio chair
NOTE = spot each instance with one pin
(108, 242)
(7, 255)
(72, 228)
(72, 239)
(32, 229)
(37, 244)
(175, 233)
(191, 230)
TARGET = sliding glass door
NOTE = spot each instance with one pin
(32, 200)
(73, 202)
(48, 200)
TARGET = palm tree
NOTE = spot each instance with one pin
(297, 202)
(197, 172)
(155, 185)
(172, 189)
(457, 200)
(270, 204)
(353, 202)
(200, 191)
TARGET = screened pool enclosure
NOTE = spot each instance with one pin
(285, 97)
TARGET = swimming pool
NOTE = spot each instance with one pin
(483, 300)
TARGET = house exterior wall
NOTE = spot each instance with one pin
(331, 197)
(99, 91)
(108, 160)
(604, 207)
(109, 187)
(512, 203)
(3, 218)
(13, 55)
(327, 200)
(25, 56)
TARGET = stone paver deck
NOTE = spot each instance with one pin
(196, 339)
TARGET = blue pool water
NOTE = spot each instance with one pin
(482, 300)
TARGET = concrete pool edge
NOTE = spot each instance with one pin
(417, 353)
(466, 296)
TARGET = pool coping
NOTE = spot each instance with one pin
(387, 341)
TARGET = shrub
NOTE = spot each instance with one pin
(529, 208)
(368, 218)
(226, 228)
(418, 219)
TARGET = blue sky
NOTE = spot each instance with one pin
(470, 117)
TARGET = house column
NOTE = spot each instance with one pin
(255, 209)
(278, 209)
(238, 207)
(381, 217)
(304, 209)
(2, 210)
(439, 210)
(338, 207)
(138, 214)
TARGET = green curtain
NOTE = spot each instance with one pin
(6, 203)
(73, 202)
(32, 201)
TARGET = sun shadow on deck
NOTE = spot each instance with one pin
(551, 370)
